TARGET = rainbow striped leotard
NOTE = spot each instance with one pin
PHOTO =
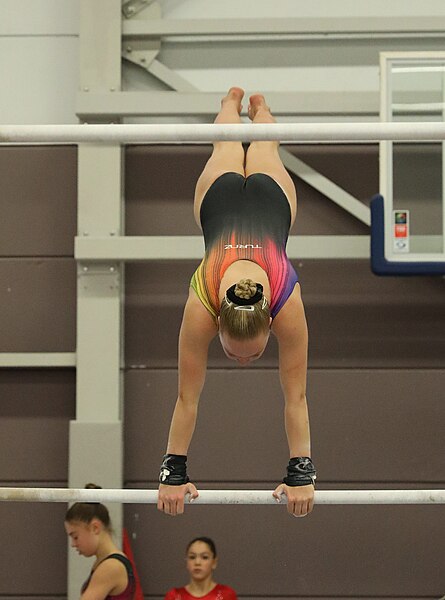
(245, 219)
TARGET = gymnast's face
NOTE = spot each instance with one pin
(244, 351)
(200, 561)
(84, 537)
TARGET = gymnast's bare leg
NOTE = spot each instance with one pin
(263, 157)
(226, 156)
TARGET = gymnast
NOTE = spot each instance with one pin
(88, 526)
(201, 564)
(244, 289)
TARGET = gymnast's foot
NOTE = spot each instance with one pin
(257, 104)
(235, 94)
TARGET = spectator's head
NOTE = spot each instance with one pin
(86, 523)
(201, 558)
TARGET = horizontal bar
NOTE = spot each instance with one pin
(220, 496)
(182, 133)
(37, 359)
(139, 248)
(328, 26)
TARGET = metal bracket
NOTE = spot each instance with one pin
(133, 7)
(141, 51)
(95, 277)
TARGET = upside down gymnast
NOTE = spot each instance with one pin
(244, 289)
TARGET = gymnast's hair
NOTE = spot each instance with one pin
(205, 540)
(244, 324)
(85, 512)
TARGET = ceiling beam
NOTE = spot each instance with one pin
(302, 26)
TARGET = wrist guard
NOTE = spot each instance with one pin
(300, 471)
(173, 470)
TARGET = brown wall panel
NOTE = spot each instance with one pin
(155, 294)
(364, 426)
(38, 305)
(356, 320)
(35, 409)
(33, 552)
(39, 200)
(349, 551)
(160, 183)
(342, 163)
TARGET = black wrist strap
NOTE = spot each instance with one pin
(300, 471)
(173, 470)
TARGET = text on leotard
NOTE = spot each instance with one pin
(233, 246)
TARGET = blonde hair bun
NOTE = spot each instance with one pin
(245, 288)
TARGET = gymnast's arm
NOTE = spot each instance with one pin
(290, 328)
(197, 330)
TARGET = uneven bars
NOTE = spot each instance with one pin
(220, 496)
(183, 133)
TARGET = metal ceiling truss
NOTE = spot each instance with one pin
(144, 30)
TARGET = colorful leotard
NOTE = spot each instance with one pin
(128, 593)
(245, 219)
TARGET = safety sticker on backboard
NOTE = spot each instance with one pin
(400, 230)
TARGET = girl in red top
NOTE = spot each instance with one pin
(201, 562)
(88, 526)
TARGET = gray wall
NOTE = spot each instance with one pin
(375, 391)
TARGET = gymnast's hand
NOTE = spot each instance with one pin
(171, 497)
(300, 499)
